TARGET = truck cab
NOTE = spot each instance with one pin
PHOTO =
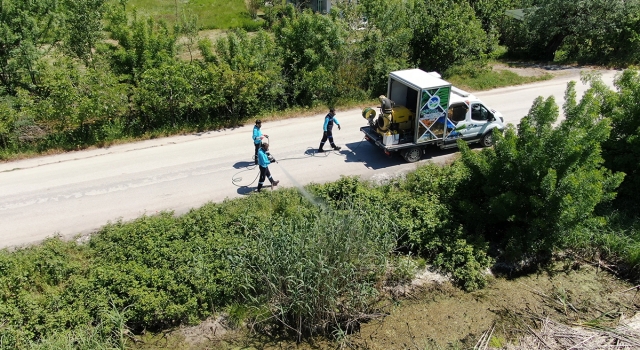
(421, 110)
(473, 120)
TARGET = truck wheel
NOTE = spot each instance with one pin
(487, 139)
(412, 155)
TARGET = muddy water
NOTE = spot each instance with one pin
(440, 316)
(445, 317)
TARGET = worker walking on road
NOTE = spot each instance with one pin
(257, 139)
(263, 163)
(329, 120)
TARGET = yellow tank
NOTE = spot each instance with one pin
(401, 114)
(400, 118)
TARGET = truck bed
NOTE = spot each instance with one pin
(376, 139)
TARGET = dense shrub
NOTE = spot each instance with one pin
(622, 150)
(542, 184)
(41, 293)
(383, 42)
(419, 208)
(467, 263)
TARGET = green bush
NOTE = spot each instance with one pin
(466, 263)
(553, 174)
(622, 150)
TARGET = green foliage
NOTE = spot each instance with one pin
(594, 31)
(419, 207)
(321, 272)
(177, 94)
(401, 270)
(37, 291)
(622, 150)
(110, 333)
(166, 271)
(7, 123)
(82, 26)
(491, 13)
(618, 242)
(308, 44)
(553, 174)
(466, 263)
(446, 33)
(252, 82)
(77, 106)
(26, 29)
(386, 41)
(141, 44)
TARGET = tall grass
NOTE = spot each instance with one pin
(319, 276)
(617, 242)
(212, 14)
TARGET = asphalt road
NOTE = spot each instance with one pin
(78, 192)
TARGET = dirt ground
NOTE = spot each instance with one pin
(528, 69)
(442, 316)
(433, 314)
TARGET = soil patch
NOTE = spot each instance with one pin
(443, 316)
(529, 69)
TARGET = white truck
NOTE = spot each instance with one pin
(421, 109)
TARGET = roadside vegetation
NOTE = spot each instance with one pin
(208, 14)
(103, 71)
(291, 263)
(315, 262)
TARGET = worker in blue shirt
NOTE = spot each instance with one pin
(329, 120)
(263, 163)
(257, 139)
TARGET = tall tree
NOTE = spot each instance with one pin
(82, 26)
(384, 40)
(141, 44)
(27, 30)
(309, 43)
(446, 33)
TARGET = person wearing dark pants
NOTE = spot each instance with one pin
(263, 163)
(329, 120)
(257, 139)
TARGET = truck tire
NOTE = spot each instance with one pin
(412, 155)
(487, 139)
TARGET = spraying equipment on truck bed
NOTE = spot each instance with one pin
(421, 109)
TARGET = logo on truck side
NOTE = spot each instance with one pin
(434, 102)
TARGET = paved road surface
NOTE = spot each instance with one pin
(78, 192)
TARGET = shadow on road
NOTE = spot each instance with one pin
(241, 165)
(370, 155)
(375, 158)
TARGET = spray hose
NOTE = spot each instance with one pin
(236, 179)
